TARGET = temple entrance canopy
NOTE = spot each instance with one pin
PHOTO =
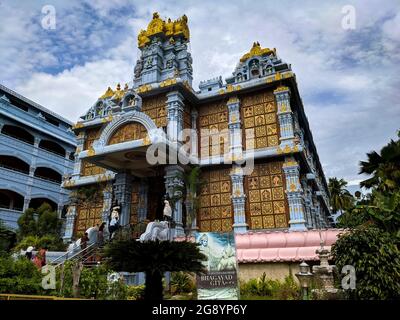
(123, 143)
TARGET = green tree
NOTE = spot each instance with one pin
(372, 243)
(375, 255)
(340, 197)
(383, 167)
(27, 224)
(7, 238)
(154, 258)
(40, 228)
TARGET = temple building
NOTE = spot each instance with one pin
(36, 151)
(249, 135)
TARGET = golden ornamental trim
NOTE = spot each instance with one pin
(168, 82)
(281, 89)
(169, 28)
(287, 149)
(108, 94)
(91, 152)
(144, 88)
(256, 50)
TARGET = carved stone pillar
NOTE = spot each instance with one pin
(69, 223)
(238, 200)
(123, 195)
(80, 141)
(107, 201)
(235, 133)
(194, 149)
(294, 194)
(175, 107)
(143, 198)
(285, 119)
(171, 182)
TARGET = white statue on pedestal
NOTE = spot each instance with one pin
(167, 210)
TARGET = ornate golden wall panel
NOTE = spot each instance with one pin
(215, 210)
(128, 132)
(89, 169)
(214, 117)
(89, 213)
(135, 202)
(156, 109)
(266, 203)
(258, 112)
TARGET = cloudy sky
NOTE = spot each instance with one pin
(348, 77)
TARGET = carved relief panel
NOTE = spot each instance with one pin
(266, 202)
(89, 169)
(215, 212)
(134, 202)
(89, 213)
(259, 116)
(214, 117)
(128, 132)
(156, 109)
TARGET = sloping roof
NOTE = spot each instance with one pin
(282, 246)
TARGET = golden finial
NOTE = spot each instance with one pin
(256, 50)
(126, 87)
(118, 87)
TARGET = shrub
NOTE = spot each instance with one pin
(270, 289)
(375, 255)
(135, 292)
(181, 283)
(93, 284)
(19, 276)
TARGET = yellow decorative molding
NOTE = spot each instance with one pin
(281, 89)
(146, 140)
(144, 88)
(108, 94)
(91, 152)
(119, 93)
(290, 163)
(168, 82)
(77, 125)
(256, 50)
(233, 100)
(169, 28)
(287, 149)
(278, 76)
(230, 88)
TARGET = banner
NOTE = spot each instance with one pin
(220, 281)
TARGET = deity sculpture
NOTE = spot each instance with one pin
(167, 210)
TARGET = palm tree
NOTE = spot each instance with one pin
(384, 167)
(154, 258)
(340, 198)
(192, 184)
